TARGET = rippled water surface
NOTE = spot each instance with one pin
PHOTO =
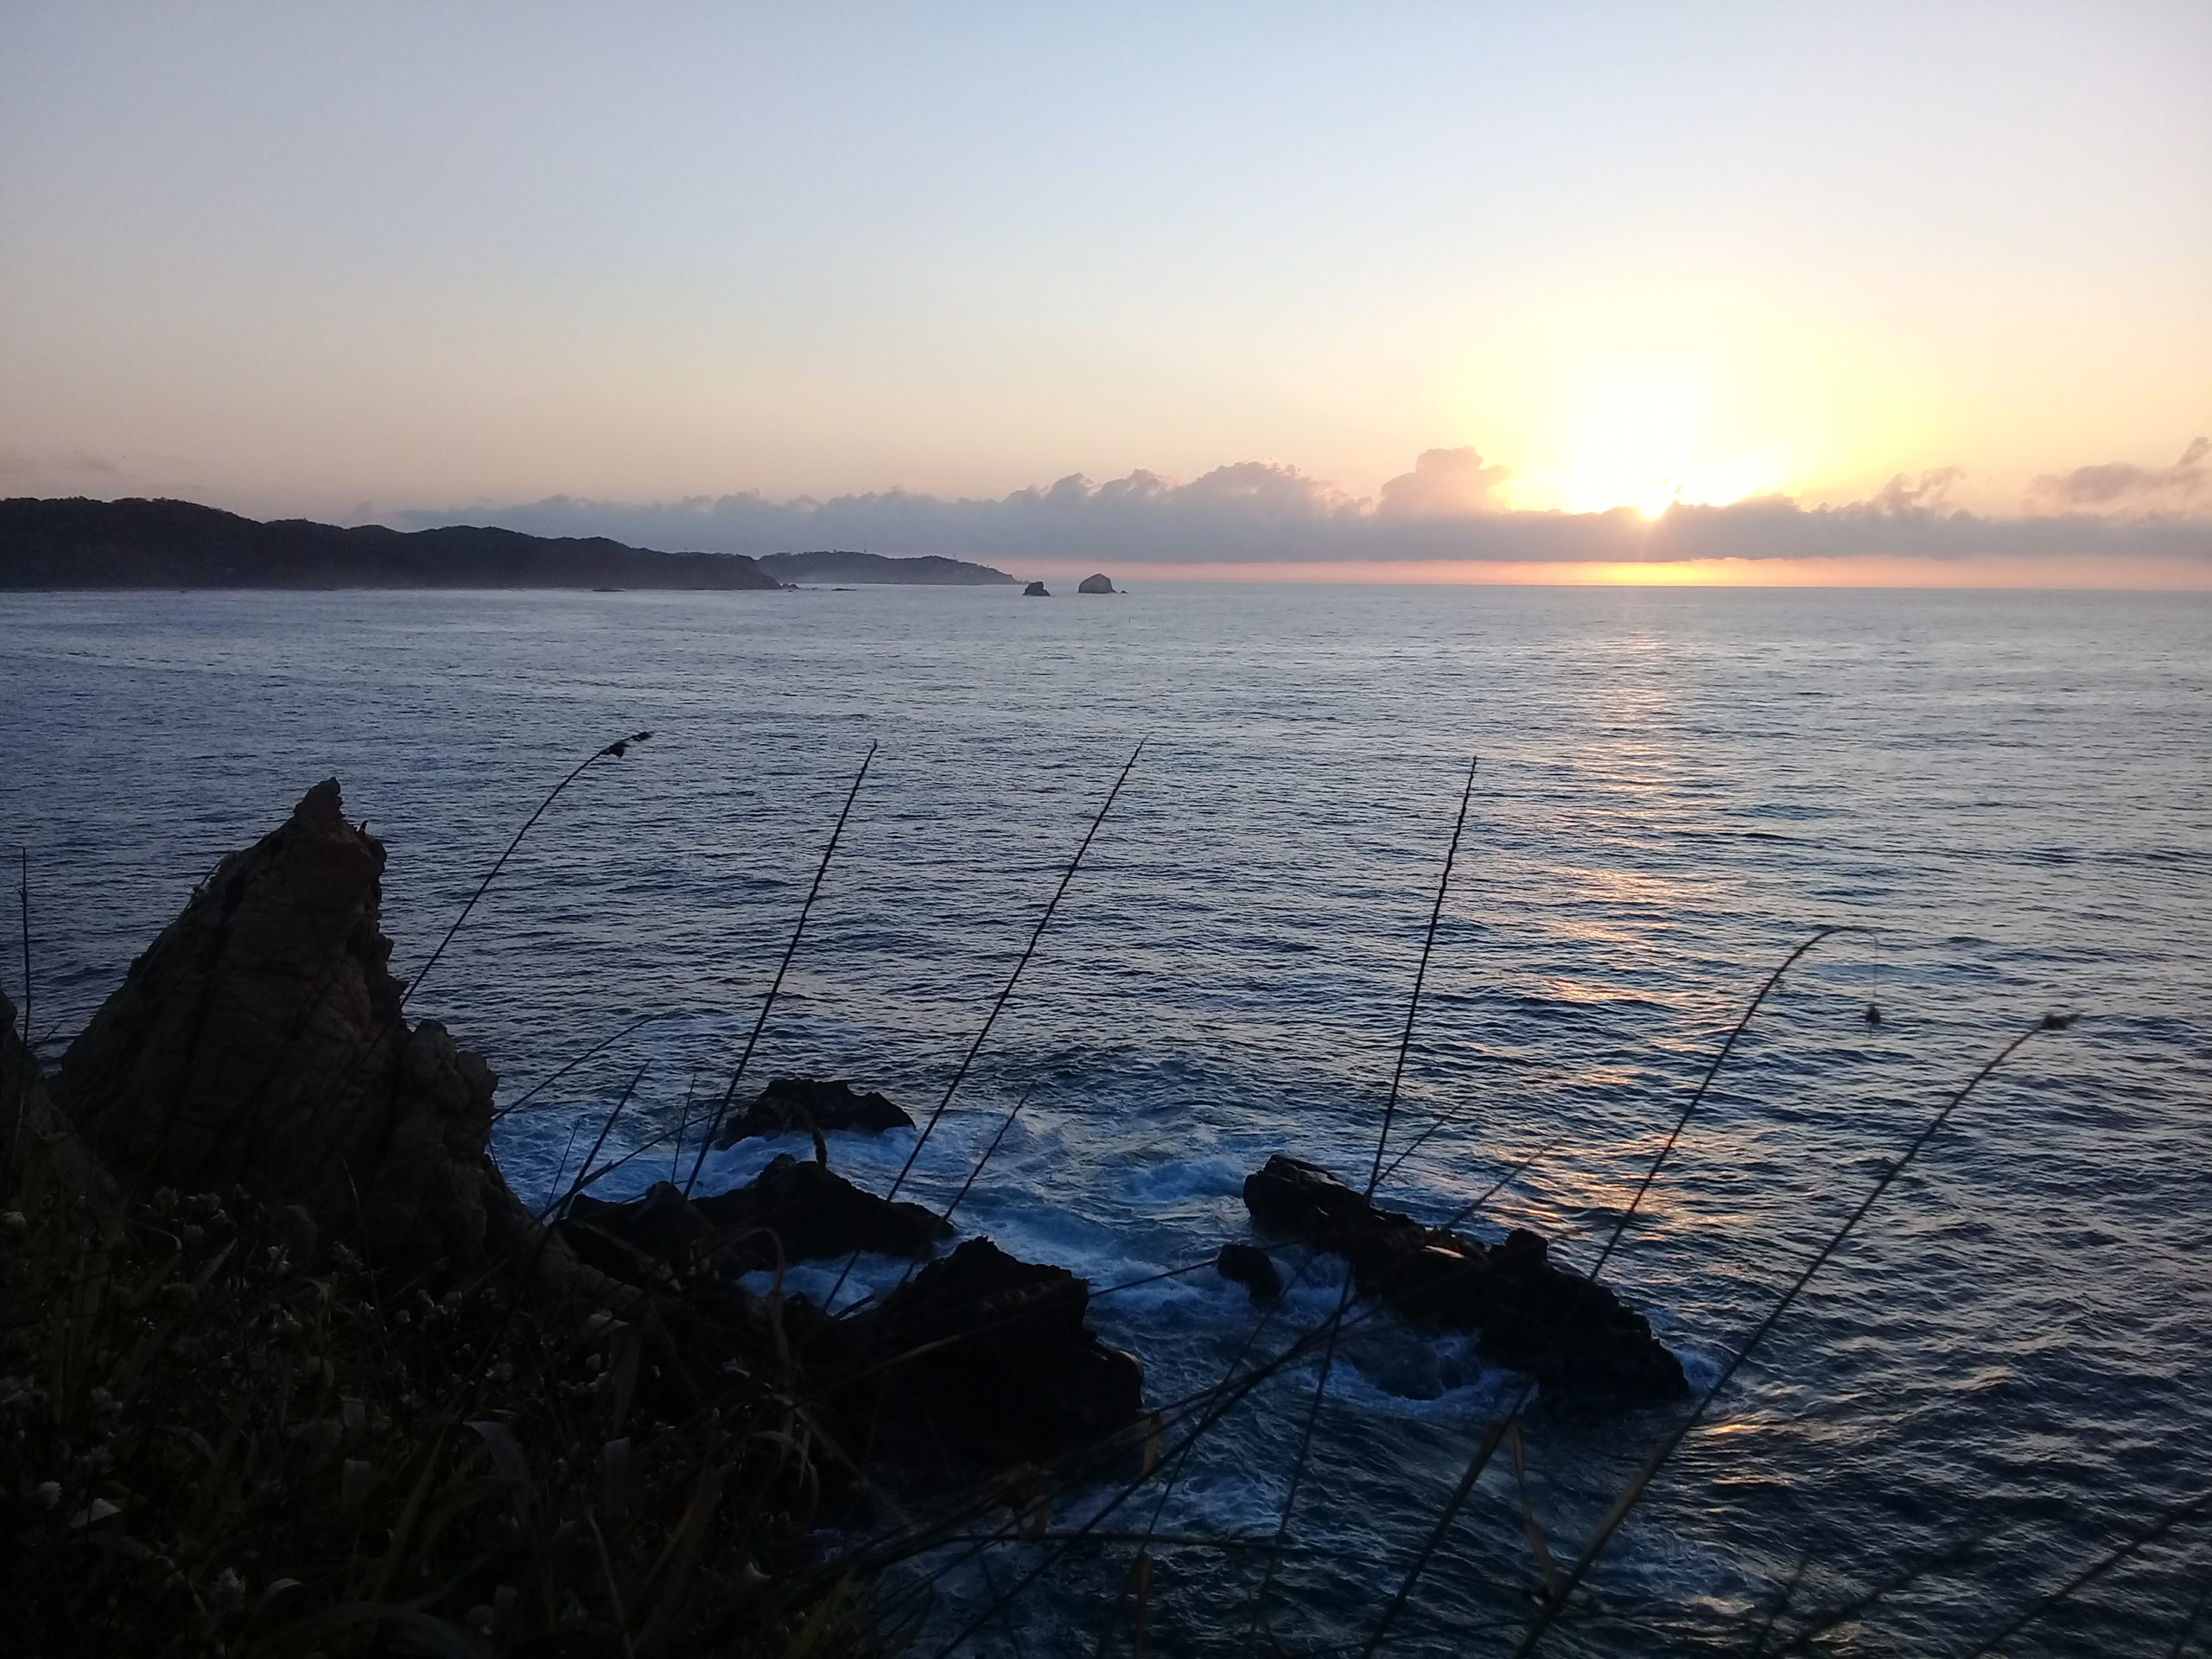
(2012, 794)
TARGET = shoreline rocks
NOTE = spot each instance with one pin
(980, 1361)
(1563, 1329)
(259, 1047)
(812, 1106)
(792, 1211)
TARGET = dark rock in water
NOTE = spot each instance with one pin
(792, 1211)
(980, 1360)
(641, 1242)
(259, 1043)
(813, 1214)
(1094, 585)
(1036, 590)
(1251, 1266)
(1529, 1314)
(811, 1105)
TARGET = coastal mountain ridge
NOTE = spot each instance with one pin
(837, 565)
(136, 543)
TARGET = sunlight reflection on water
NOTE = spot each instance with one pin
(2015, 791)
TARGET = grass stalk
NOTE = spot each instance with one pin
(776, 985)
(2165, 1522)
(1374, 1176)
(998, 1005)
(613, 751)
(1610, 1522)
(1486, 1447)
(28, 1065)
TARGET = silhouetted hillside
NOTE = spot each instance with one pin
(79, 543)
(875, 567)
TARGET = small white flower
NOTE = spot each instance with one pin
(227, 1594)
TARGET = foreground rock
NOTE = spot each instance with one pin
(981, 1360)
(258, 1050)
(259, 1043)
(811, 1106)
(1529, 1315)
(792, 1211)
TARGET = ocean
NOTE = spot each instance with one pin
(2000, 1378)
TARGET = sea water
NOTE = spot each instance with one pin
(2009, 796)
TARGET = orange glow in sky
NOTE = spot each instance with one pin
(467, 267)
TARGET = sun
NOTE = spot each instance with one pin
(1643, 441)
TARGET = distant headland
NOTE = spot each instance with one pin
(77, 543)
(837, 566)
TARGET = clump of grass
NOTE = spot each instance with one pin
(219, 1437)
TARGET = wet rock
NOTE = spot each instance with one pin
(811, 1105)
(259, 1043)
(1528, 1315)
(640, 1240)
(792, 1211)
(980, 1361)
(1253, 1268)
(813, 1213)
(1036, 590)
(1098, 584)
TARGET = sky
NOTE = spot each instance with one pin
(1654, 291)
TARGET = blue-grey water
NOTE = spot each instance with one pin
(2010, 794)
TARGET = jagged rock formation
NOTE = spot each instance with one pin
(811, 1106)
(259, 1043)
(1531, 1316)
(1098, 584)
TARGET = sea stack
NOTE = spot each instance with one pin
(1094, 585)
(1036, 590)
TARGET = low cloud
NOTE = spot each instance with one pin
(1444, 483)
(1444, 509)
(2121, 486)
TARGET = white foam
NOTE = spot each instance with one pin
(1189, 1177)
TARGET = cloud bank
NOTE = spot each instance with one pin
(2118, 486)
(1445, 509)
